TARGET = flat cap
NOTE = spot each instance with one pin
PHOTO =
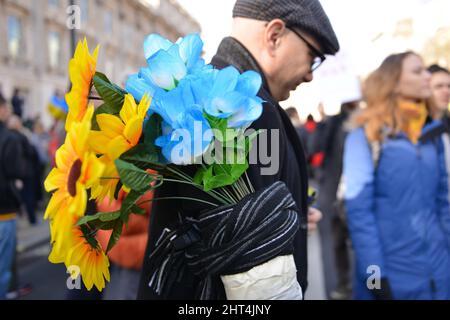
(306, 15)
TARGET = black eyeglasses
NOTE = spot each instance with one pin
(318, 57)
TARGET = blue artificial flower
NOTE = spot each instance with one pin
(168, 63)
(186, 134)
(227, 94)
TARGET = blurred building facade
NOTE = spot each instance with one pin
(425, 29)
(35, 42)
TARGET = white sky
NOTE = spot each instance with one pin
(356, 22)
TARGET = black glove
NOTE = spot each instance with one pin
(384, 293)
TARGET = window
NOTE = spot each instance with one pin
(54, 49)
(15, 37)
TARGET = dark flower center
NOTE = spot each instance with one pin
(74, 174)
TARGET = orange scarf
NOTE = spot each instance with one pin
(416, 115)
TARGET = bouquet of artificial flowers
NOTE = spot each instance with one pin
(174, 112)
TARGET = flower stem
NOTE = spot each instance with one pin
(224, 190)
(178, 198)
(95, 98)
(249, 182)
(215, 195)
(189, 179)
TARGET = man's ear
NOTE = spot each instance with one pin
(273, 35)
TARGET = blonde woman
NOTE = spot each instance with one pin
(396, 188)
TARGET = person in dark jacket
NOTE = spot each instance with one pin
(396, 192)
(11, 169)
(17, 103)
(28, 192)
(330, 140)
(284, 41)
(306, 132)
(440, 96)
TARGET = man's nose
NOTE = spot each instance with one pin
(308, 77)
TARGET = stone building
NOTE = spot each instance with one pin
(35, 41)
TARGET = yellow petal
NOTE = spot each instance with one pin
(133, 131)
(79, 133)
(92, 170)
(77, 204)
(56, 179)
(55, 204)
(110, 125)
(129, 109)
(104, 187)
(64, 158)
(98, 142)
(117, 147)
(61, 236)
(143, 106)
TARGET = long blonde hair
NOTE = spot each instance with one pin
(379, 93)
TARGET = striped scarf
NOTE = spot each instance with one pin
(227, 240)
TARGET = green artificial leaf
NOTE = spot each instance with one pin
(152, 130)
(118, 188)
(225, 134)
(199, 175)
(134, 177)
(101, 220)
(104, 108)
(129, 203)
(101, 216)
(217, 181)
(115, 235)
(143, 157)
(138, 210)
(109, 92)
(89, 235)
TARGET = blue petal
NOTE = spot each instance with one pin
(224, 106)
(244, 117)
(162, 141)
(249, 83)
(202, 85)
(174, 51)
(160, 105)
(191, 48)
(164, 69)
(197, 126)
(145, 74)
(189, 140)
(137, 87)
(166, 128)
(226, 81)
(153, 43)
(169, 105)
(198, 66)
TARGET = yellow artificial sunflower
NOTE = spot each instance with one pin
(87, 254)
(116, 136)
(77, 168)
(81, 70)
(84, 252)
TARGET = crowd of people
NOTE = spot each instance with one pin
(383, 185)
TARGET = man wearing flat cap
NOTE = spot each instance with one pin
(284, 41)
